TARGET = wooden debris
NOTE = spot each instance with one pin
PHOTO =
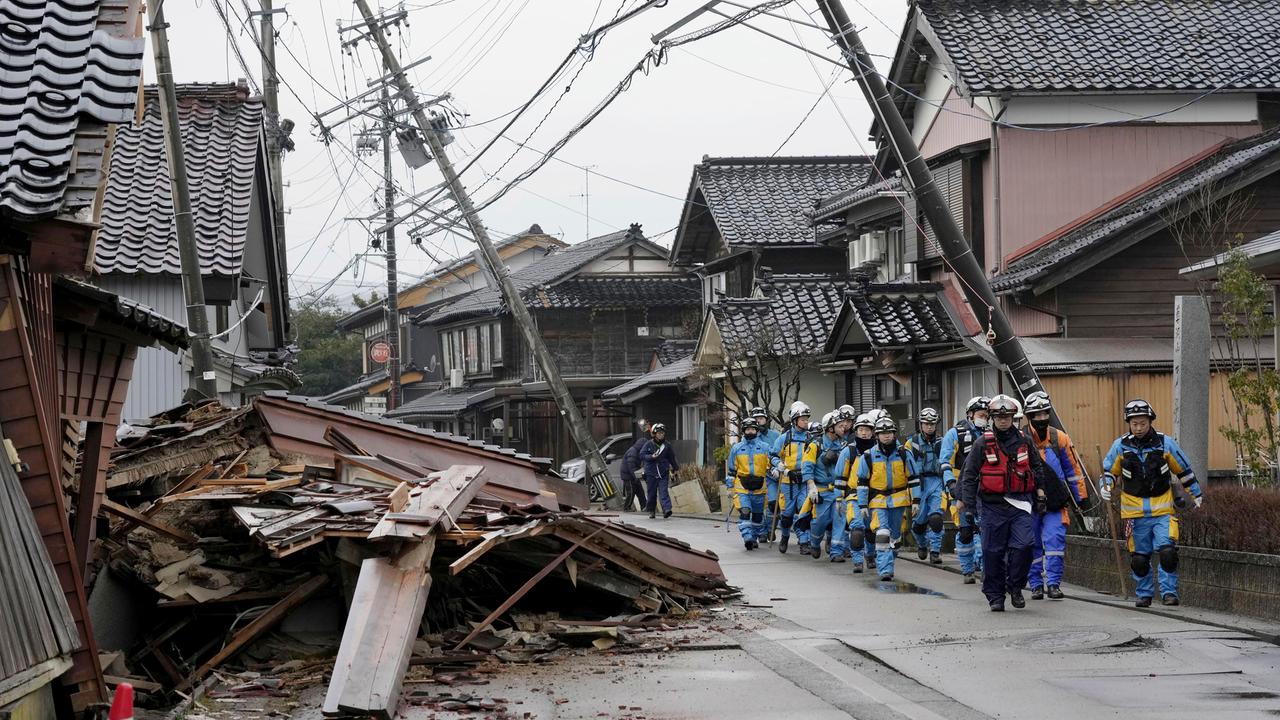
(439, 502)
(155, 526)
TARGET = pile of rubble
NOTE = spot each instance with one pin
(443, 552)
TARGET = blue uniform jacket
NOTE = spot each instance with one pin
(815, 469)
(788, 449)
(928, 454)
(748, 450)
(658, 465)
(948, 454)
(631, 459)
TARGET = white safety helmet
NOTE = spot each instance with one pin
(1003, 405)
(884, 423)
(976, 403)
(929, 415)
(799, 409)
(847, 412)
(1138, 408)
(1038, 401)
(830, 419)
(864, 420)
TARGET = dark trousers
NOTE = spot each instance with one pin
(658, 490)
(632, 487)
(1008, 538)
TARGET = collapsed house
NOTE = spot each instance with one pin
(226, 520)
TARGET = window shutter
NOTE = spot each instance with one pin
(950, 181)
(911, 237)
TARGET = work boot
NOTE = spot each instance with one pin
(968, 580)
(666, 514)
(1143, 602)
(1170, 599)
(922, 552)
(653, 514)
(1016, 599)
(1037, 593)
(815, 550)
(804, 549)
(783, 543)
(997, 605)
(886, 577)
(837, 558)
(870, 562)
(935, 558)
(1055, 593)
(857, 568)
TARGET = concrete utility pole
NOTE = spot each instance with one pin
(275, 131)
(956, 250)
(596, 468)
(392, 302)
(203, 380)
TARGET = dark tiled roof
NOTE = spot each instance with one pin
(123, 311)
(898, 314)
(766, 201)
(534, 230)
(1108, 45)
(795, 316)
(614, 292)
(852, 198)
(672, 350)
(667, 375)
(442, 404)
(221, 131)
(1259, 252)
(1210, 172)
(68, 68)
(355, 389)
(543, 273)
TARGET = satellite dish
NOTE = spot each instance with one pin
(497, 424)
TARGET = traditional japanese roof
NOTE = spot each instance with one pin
(541, 275)
(850, 199)
(1263, 252)
(670, 375)
(1062, 46)
(672, 350)
(1139, 213)
(356, 389)
(761, 201)
(69, 67)
(794, 315)
(222, 133)
(618, 292)
(892, 316)
(443, 404)
(122, 311)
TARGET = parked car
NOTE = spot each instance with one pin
(611, 449)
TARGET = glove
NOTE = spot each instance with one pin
(1104, 492)
(773, 473)
(915, 508)
(1199, 501)
(1042, 505)
(728, 482)
(969, 519)
(813, 495)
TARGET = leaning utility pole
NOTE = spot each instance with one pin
(275, 132)
(958, 253)
(203, 381)
(596, 468)
(389, 238)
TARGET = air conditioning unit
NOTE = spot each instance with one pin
(642, 332)
(456, 378)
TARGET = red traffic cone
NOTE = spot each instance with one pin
(122, 703)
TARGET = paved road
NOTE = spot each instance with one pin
(832, 644)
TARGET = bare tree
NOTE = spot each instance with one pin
(762, 369)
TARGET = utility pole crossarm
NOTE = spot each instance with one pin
(596, 468)
(955, 249)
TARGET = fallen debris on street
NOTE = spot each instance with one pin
(444, 553)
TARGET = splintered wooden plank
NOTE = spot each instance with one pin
(437, 504)
(153, 525)
(261, 624)
(386, 612)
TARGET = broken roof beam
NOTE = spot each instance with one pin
(437, 504)
(155, 526)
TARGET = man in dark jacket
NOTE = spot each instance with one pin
(1001, 484)
(659, 463)
(632, 472)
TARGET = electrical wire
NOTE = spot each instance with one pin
(834, 75)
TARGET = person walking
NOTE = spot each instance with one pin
(748, 466)
(632, 472)
(659, 463)
(926, 446)
(788, 461)
(819, 472)
(769, 436)
(1048, 559)
(1000, 483)
(888, 484)
(955, 449)
(1156, 480)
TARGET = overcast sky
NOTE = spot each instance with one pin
(736, 93)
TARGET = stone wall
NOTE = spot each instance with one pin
(1236, 582)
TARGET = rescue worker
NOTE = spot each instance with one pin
(1000, 482)
(788, 460)
(819, 472)
(659, 462)
(1049, 554)
(888, 483)
(748, 466)
(955, 448)
(632, 472)
(769, 436)
(926, 445)
(855, 531)
(1156, 479)
(848, 415)
(864, 438)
